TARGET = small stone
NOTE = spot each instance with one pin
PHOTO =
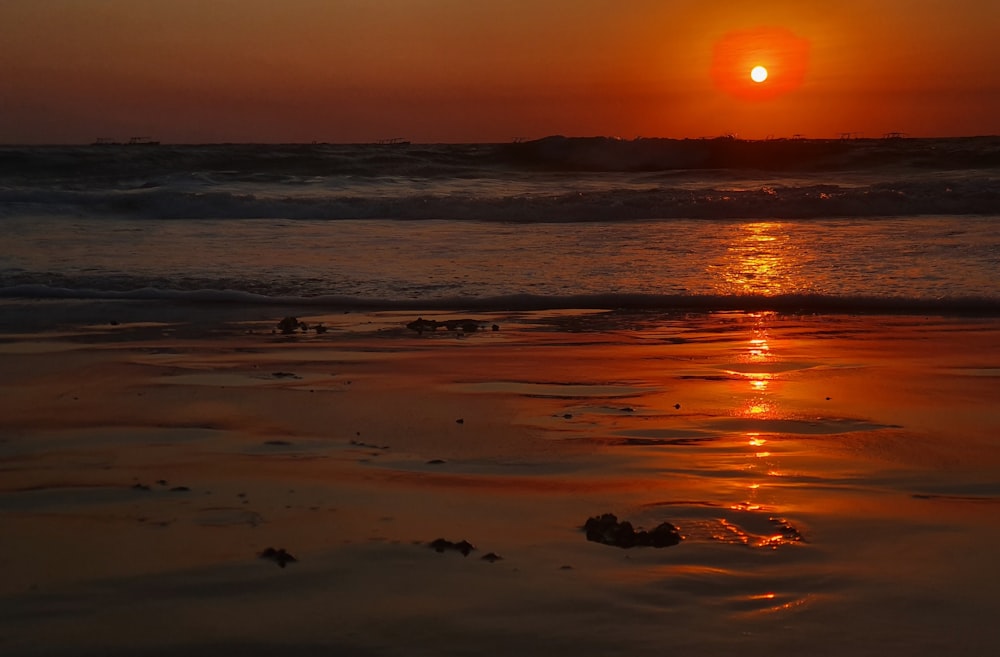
(677, 406)
(492, 557)
(460, 421)
(288, 325)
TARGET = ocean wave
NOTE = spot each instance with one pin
(609, 154)
(787, 303)
(914, 197)
(552, 179)
(551, 153)
(246, 162)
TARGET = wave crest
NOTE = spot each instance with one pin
(911, 198)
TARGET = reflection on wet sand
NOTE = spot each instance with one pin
(825, 473)
(760, 403)
(739, 460)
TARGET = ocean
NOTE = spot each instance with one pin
(864, 225)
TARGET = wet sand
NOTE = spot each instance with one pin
(834, 479)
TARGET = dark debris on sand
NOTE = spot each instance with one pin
(285, 375)
(464, 325)
(608, 530)
(278, 555)
(291, 325)
(440, 545)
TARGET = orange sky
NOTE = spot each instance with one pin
(478, 70)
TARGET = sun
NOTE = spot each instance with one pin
(759, 63)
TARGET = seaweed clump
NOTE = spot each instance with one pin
(607, 529)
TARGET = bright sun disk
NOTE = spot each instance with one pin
(758, 74)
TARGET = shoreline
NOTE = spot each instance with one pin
(207, 310)
(832, 476)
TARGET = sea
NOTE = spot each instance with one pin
(891, 225)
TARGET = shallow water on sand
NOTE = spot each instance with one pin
(925, 258)
(834, 478)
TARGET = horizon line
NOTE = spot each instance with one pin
(845, 136)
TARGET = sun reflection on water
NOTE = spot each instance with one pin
(760, 259)
(759, 347)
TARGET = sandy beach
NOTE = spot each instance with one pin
(499, 329)
(834, 479)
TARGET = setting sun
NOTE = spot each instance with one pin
(737, 58)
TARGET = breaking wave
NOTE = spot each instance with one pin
(542, 180)
(911, 198)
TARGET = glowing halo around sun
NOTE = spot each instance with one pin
(760, 63)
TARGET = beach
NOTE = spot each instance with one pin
(832, 476)
(510, 329)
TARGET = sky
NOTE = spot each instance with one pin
(199, 71)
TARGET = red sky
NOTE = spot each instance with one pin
(478, 70)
